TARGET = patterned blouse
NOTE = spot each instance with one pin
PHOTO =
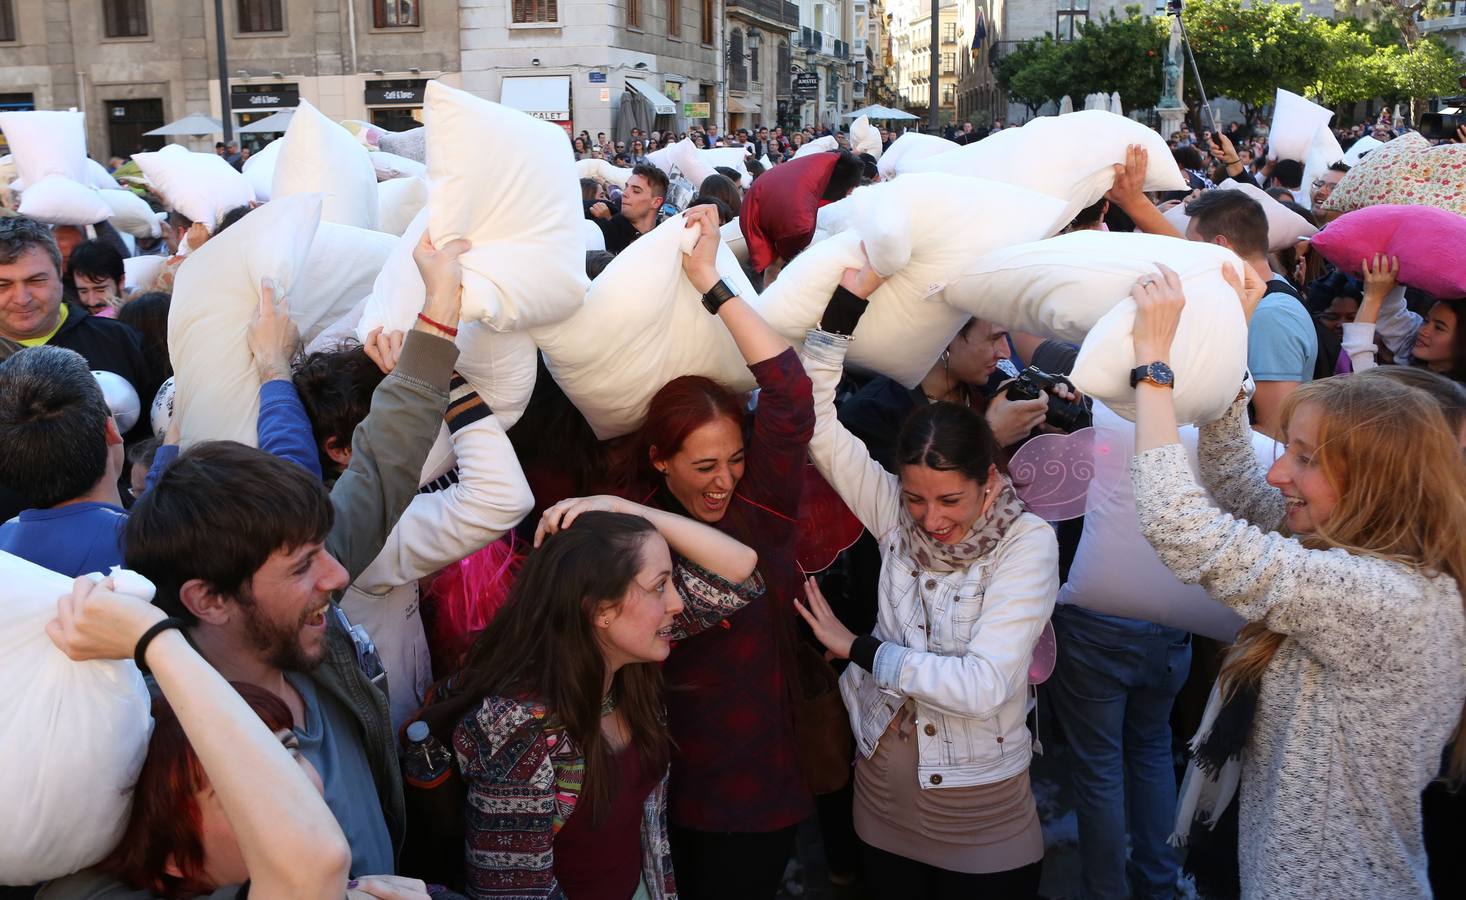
(524, 773)
(1361, 697)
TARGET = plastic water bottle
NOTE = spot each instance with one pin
(427, 761)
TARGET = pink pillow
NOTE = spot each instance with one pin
(1430, 244)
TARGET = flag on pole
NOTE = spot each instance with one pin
(979, 32)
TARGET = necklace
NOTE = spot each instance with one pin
(608, 704)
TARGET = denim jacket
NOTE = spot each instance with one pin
(958, 643)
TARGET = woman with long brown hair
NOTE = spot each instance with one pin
(1346, 557)
(564, 746)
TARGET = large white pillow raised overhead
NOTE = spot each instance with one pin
(259, 169)
(1071, 157)
(641, 326)
(920, 231)
(818, 145)
(602, 170)
(526, 266)
(45, 143)
(131, 214)
(1077, 287)
(1295, 122)
(1356, 150)
(398, 203)
(499, 365)
(909, 149)
(215, 292)
(321, 157)
(1284, 227)
(865, 137)
(98, 176)
(342, 267)
(201, 186)
(57, 200)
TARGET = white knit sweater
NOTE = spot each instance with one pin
(1360, 699)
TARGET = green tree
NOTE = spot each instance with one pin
(1248, 52)
(1035, 72)
(1125, 55)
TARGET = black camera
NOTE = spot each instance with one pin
(1065, 415)
(1441, 126)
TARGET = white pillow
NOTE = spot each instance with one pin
(832, 218)
(1324, 152)
(909, 149)
(732, 235)
(818, 145)
(140, 273)
(865, 138)
(1356, 150)
(57, 200)
(499, 365)
(1078, 286)
(602, 171)
(921, 230)
(340, 270)
(131, 214)
(694, 164)
(259, 169)
(1295, 122)
(45, 143)
(320, 156)
(398, 203)
(215, 292)
(1116, 571)
(389, 166)
(641, 326)
(594, 237)
(1284, 227)
(1071, 157)
(73, 735)
(201, 186)
(98, 176)
(526, 266)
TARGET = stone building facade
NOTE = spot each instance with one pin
(132, 65)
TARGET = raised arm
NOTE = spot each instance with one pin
(283, 428)
(288, 837)
(1382, 314)
(1128, 193)
(490, 497)
(391, 443)
(756, 339)
(718, 553)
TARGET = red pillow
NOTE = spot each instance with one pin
(1430, 244)
(779, 211)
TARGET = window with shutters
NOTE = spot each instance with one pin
(124, 18)
(753, 63)
(530, 12)
(674, 18)
(7, 22)
(783, 76)
(397, 13)
(633, 13)
(260, 16)
(707, 21)
(737, 71)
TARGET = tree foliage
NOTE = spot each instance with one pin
(1248, 52)
(1035, 72)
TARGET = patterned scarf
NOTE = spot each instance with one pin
(932, 555)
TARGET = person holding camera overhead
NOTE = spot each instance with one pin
(937, 694)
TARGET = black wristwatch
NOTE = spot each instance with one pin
(1157, 373)
(716, 296)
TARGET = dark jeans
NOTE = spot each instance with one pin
(730, 865)
(892, 877)
(1112, 693)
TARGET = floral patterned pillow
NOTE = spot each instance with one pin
(1408, 171)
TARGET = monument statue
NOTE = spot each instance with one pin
(1171, 91)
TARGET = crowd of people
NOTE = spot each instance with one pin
(648, 707)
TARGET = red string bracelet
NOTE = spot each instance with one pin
(451, 332)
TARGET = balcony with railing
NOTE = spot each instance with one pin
(780, 11)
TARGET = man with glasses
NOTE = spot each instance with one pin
(1322, 188)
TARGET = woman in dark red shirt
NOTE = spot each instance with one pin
(736, 791)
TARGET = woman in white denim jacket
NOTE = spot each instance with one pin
(938, 694)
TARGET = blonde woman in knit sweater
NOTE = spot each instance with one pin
(1347, 559)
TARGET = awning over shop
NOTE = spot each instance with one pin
(542, 96)
(661, 103)
(743, 105)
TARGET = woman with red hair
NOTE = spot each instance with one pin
(225, 806)
(736, 792)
